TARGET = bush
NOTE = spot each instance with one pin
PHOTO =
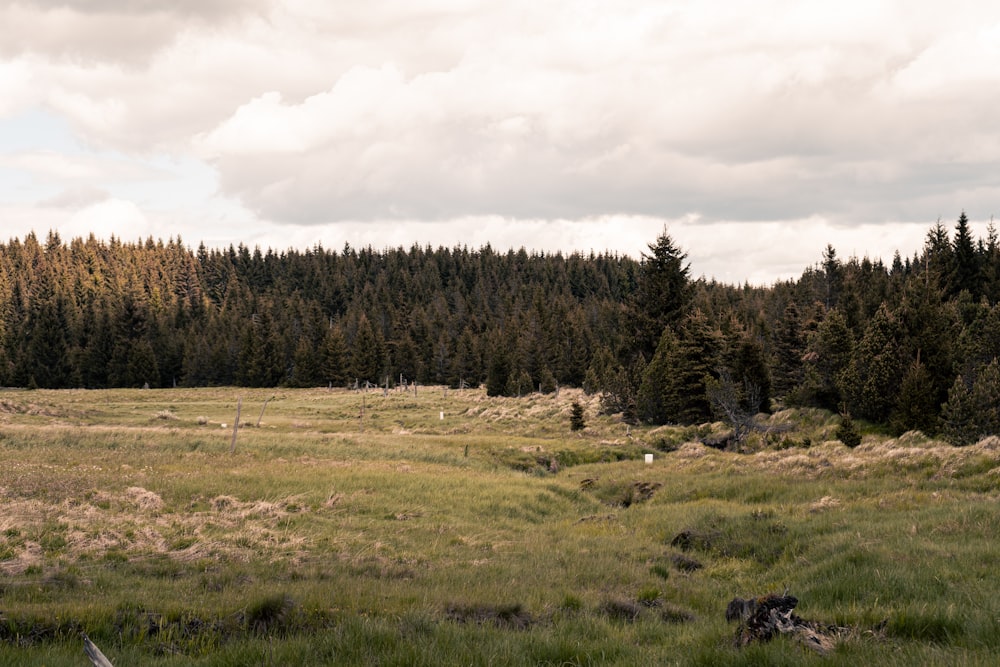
(576, 420)
(847, 432)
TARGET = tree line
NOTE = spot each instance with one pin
(911, 345)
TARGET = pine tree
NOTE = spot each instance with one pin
(674, 385)
(366, 353)
(874, 373)
(576, 418)
(498, 372)
(789, 346)
(916, 407)
(662, 294)
(985, 397)
(833, 274)
(827, 356)
(333, 363)
(651, 400)
(958, 415)
(847, 432)
(964, 273)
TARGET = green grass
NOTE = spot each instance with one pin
(493, 536)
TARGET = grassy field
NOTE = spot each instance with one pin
(448, 528)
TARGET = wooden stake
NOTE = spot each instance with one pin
(236, 426)
(262, 411)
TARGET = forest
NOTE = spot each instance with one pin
(908, 346)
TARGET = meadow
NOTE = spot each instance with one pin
(445, 527)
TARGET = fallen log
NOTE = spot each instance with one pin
(763, 618)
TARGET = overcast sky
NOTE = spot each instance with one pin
(754, 132)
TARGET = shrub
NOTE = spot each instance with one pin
(847, 432)
(576, 420)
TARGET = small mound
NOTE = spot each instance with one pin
(143, 499)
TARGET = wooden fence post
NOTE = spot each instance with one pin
(236, 426)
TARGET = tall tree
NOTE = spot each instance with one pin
(662, 293)
(827, 355)
(964, 273)
(870, 382)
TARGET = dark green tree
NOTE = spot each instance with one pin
(366, 353)
(871, 380)
(498, 372)
(674, 387)
(577, 422)
(827, 355)
(662, 294)
(916, 407)
(333, 360)
(789, 346)
(958, 415)
(965, 270)
(847, 432)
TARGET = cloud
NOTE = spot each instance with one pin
(753, 116)
(448, 117)
(96, 31)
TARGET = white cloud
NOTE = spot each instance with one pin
(559, 122)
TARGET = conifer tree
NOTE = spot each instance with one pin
(652, 398)
(964, 273)
(958, 415)
(662, 293)
(916, 407)
(576, 418)
(674, 387)
(827, 356)
(874, 373)
(789, 346)
(333, 362)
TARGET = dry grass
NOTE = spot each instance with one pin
(407, 525)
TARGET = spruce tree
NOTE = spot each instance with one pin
(651, 400)
(789, 346)
(827, 355)
(964, 273)
(958, 415)
(847, 432)
(985, 397)
(916, 407)
(576, 418)
(870, 382)
(662, 294)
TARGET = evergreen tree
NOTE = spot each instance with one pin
(366, 353)
(986, 399)
(916, 407)
(519, 384)
(674, 388)
(847, 432)
(833, 274)
(827, 356)
(937, 261)
(498, 372)
(662, 293)
(958, 415)
(964, 273)
(306, 368)
(746, 365)
(333, 363)
(576, 417)
(870, 382)
(789, 346)
(652, 398)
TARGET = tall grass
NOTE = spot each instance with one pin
(404, 538)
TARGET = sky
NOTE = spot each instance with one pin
(753, 133)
